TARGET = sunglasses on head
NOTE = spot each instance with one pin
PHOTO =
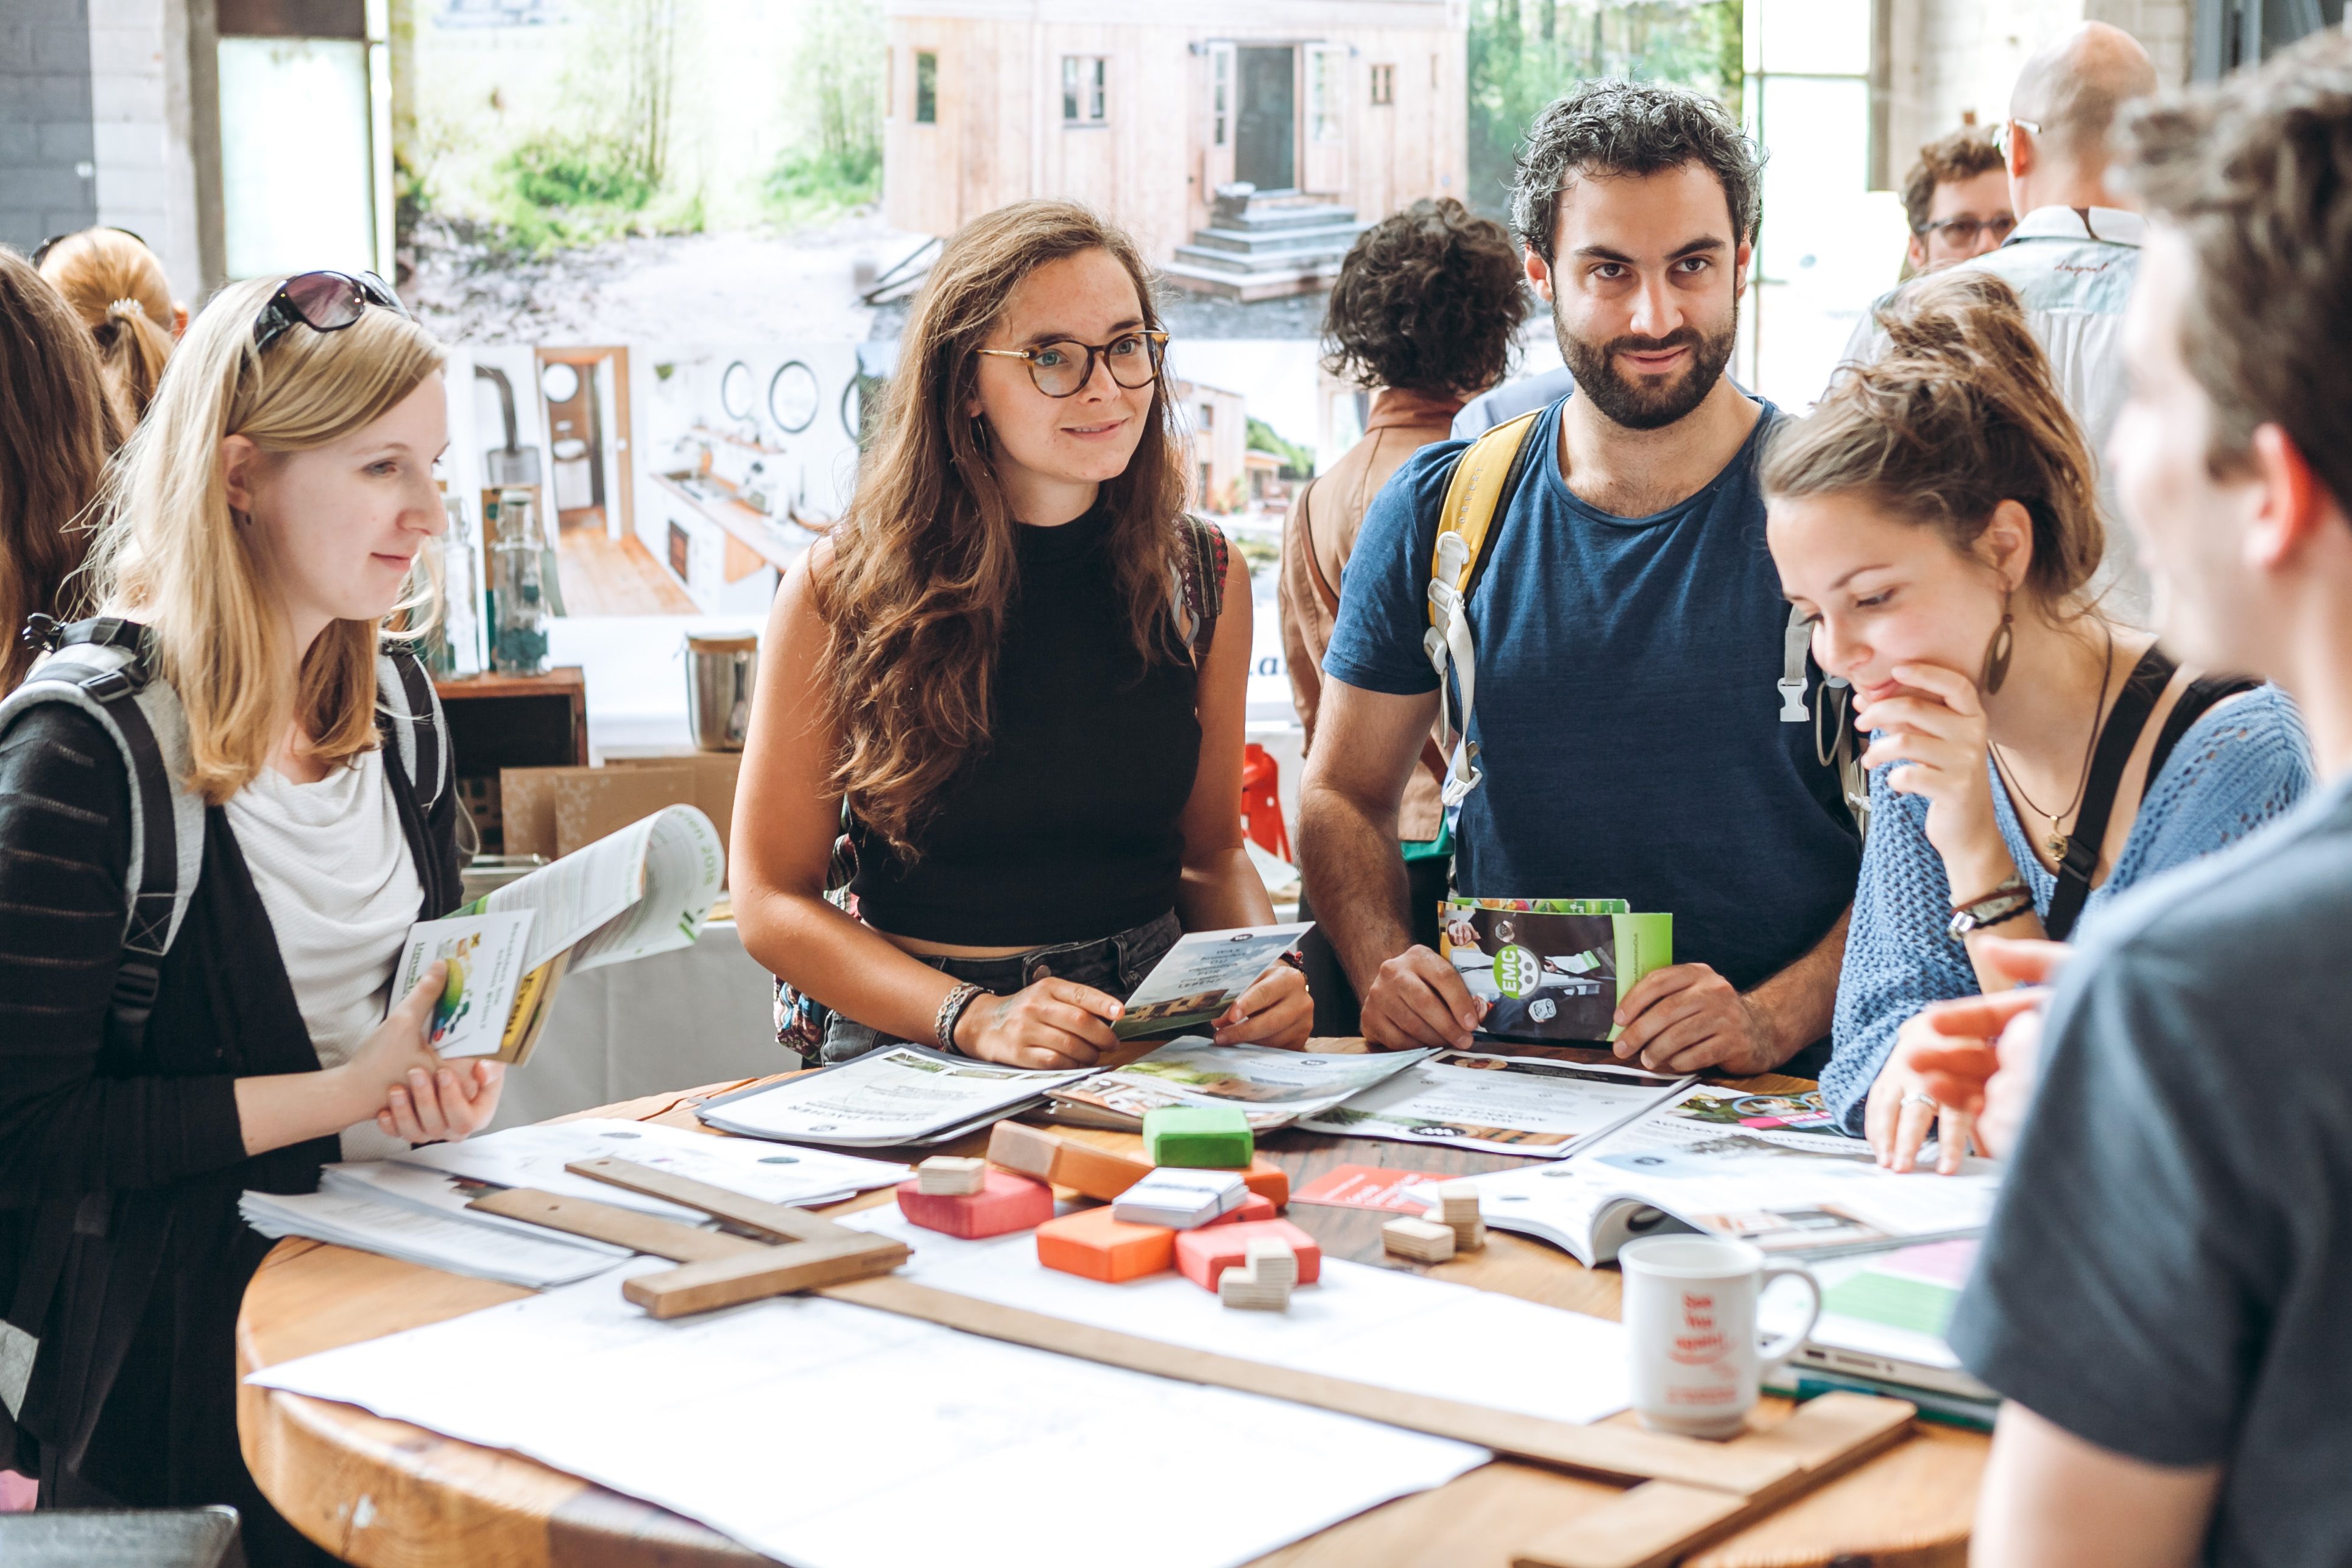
(42, 254)
(322, 302)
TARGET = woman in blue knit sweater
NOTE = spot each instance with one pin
(1937, 516)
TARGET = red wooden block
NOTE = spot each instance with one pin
(1201, 1255)
(1268, 1181)
(1254, 1208)
(1094, 1244)
(1004, 1202)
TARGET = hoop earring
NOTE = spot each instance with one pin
(1996, 652)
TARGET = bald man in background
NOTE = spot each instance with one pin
(2073, 255)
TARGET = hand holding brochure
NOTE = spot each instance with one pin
(644, 890)
(1502, 1105)
(1202, 975)
(1272, 1088)
(1552, 970)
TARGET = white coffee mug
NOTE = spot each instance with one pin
(1690, 1324)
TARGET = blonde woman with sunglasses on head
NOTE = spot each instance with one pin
(265, 523)
(1024, 668)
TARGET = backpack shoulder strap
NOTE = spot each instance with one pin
(100, 668)
(409, 712)
(2118, 738)
(1477, 494)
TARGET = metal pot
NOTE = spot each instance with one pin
(720, 671)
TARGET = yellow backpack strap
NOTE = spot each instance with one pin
(1484, 476)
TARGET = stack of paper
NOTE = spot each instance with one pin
(902, 1095)
(414, 1237)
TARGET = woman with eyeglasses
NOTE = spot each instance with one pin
(1011, 683)
(263, 528)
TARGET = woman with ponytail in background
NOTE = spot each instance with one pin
(2031, 758)
(117, 287)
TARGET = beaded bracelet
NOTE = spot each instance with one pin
(951, 1011)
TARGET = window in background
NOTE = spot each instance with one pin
(1084, 96)
(1208, 417)
(1383, 85)
(1323, 93)
(1221, 92)
(927, 88)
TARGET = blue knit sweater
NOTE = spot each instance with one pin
(2241, 764)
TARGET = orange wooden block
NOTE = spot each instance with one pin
(1092, 1243)
(1254, 1208)
(1096, 1172)
(1268, 1181)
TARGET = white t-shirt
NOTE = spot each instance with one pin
(336, 877)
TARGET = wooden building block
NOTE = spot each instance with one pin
(1202, 1254)
(1456, 1203)
(1253, 1209)
(1182, 1200)
(1028, 1150)
(768, 1271)
(1095, 1172)
(946, 1175)
(1006, 1203)
(1264, 1280)
(1268, 1181)
(1094, 1243)
(1422, 1241)
(1213, 1137)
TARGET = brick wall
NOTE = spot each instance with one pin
(48, 173)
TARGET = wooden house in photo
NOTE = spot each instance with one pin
(1244, 142)
(1216, 425)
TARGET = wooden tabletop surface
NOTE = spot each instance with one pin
(385, 1494)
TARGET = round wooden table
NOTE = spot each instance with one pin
(385, 1494)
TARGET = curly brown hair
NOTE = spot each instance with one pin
(1963, 155)
(1428, 300)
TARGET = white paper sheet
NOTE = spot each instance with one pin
(535, 1157)
(833, 1437)
(1379, 1326)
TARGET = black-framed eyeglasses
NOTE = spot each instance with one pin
(322, 302)
(1062, 367)
(1964, 231)
(42, 253)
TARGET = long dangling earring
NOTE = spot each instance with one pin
(1996, 652)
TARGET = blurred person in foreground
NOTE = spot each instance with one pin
(1423, 316)
(2161, 1297)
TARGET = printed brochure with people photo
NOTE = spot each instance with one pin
(1552, 970)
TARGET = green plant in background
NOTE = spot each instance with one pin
(1526, 53)
(836, 78)
(1297, 462)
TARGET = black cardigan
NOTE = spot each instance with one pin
(120, 1162)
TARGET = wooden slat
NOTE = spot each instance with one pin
(775, 1221)
(622, 1227)
(794, 1266)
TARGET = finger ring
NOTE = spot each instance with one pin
(1929, 1101)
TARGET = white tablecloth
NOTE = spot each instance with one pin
(697, 1015)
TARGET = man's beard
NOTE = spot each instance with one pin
(1648, 404)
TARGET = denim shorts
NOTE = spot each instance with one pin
(1113, 963)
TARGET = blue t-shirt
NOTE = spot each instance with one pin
(1628, 720)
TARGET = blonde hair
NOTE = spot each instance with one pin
(172, 553)
(118, 289)
(1959, 414)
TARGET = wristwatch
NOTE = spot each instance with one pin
(2005, 902)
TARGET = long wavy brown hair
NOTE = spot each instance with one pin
(923, 559)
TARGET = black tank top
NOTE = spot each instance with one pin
(1067, 827)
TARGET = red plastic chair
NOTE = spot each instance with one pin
(1262, 802)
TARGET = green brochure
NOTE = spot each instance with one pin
(1552, 970)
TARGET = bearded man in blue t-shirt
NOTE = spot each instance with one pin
(1630, 726)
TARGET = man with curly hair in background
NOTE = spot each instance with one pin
(1421, 317)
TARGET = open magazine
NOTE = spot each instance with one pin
(904, 1094)
(1503, 1105)
(1272, 1088)
(644, 890)
(1767, 1169)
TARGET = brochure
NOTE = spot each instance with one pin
(1883, 1315)
(1697, 1163)
(1552, 970)
(1273, 1088)
(904, 1094)
(1504, 1105)
(412, 1236)
(644, 890)
(535, 1156)
(1378, 1187)
(1202, 975)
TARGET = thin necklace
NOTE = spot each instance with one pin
(2057, 841)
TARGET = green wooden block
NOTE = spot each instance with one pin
(1203, 1137)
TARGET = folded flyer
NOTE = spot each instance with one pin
(1552, 970)
(1503, 1105)
(644, 890)
(902, 1094)
(1757, 1167)
(1272, 1088)
(1202, 975)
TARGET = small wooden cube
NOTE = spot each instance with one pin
(1096, 1245)
(946, 1175)
(1214, 1137)
(1422, 1241)
(1004, 1202)
(1456, 1202)
(1204, 1254)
